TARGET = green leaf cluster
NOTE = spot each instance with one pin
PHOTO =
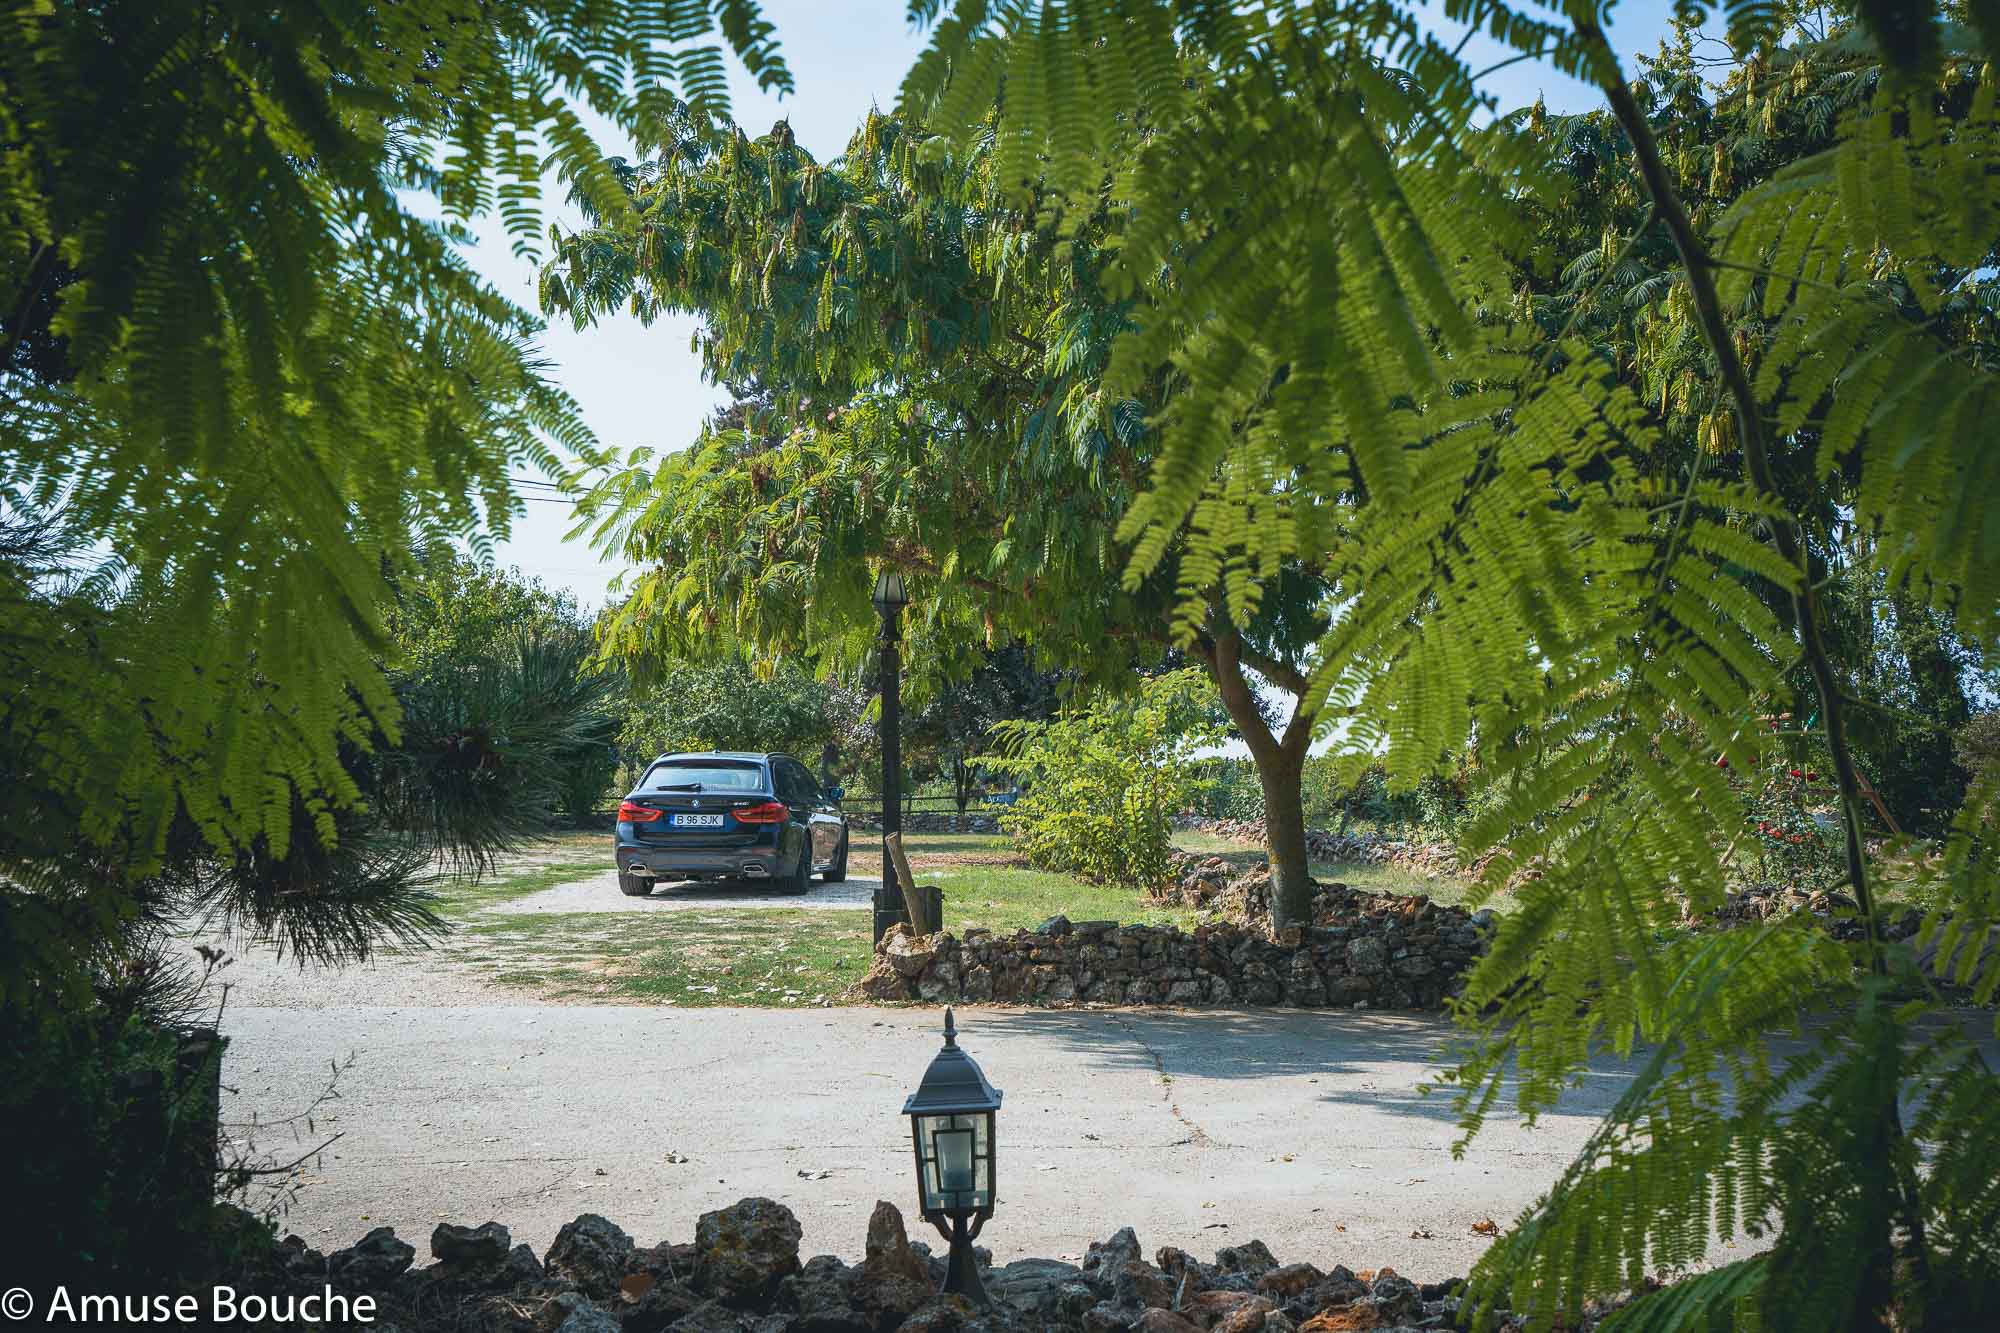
(1101, 785)
(246, 365)
(1358, 377)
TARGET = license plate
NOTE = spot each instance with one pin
(697, 821)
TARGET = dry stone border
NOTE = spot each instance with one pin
(742, 1274)
(1431, 857)
(1363, 950)
(931, 821)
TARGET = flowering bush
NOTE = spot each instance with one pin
(1794, 833)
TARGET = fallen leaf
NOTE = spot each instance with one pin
(1488, 1227)
(814, 1175)
(1213, 1225)
(1421, 1234)
(634, 1286)
(1340, 1226)
(676, 1159)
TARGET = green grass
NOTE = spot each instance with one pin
(788, 957)
(770, 957)
(1007, 898)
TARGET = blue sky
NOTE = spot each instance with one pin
(644, 385)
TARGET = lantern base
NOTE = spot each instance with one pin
(961, 1275)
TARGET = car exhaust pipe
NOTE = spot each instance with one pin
(641, 871)
(756, 870)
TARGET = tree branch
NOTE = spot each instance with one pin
(1785, 534)
(1222, 654)
(1280, 673)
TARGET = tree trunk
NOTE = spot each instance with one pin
(961, 784)
(1280, 762)
(1285, 839)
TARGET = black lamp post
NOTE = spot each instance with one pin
(951, 1127)
(890, 598)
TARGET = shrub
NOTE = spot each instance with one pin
(111, 1118)
(1100, 786)
(1232, 790)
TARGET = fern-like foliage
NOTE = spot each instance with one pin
(242, 358)
(1578, 535)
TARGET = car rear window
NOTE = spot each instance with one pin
(711, 774)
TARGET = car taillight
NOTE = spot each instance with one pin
(632, 813)
(770, 812)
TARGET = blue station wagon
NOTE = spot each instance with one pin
(730, 815)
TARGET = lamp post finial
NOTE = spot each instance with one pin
(950, 1029)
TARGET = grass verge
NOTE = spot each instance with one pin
(790, 957)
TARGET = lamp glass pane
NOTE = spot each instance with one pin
(957, 1161)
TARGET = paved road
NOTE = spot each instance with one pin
(1179, 1124)
(599, 893)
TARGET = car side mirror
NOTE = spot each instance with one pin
(835, 793)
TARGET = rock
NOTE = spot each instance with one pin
(1367, 956)
(487, 1243)
(592, 1252)
(1103, 1259)
(894, 1280)
(909, 954)
(1137, 1284)
(1357, 1318)
(1213, 1308)
(1165, 1321)
(522, 1266)
(1252, 1257)
(572, 1312)
(1249, 1317)
(1037, 1287)
(941, 1314)
(1283, 1284)
(820, 1298)
(941, 982)
(372, 1262)
(1396, 1297)
(711, 1317)
(888, 1246)
(656, 1306)
(1340, 1287)
(744, 1251)
(884, 982)
(1104, 1317)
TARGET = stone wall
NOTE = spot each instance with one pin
(743, 1274)
(1433, 857)
(931, 821)
(1363, 950)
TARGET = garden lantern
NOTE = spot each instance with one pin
(890, 596)
(951, 1128)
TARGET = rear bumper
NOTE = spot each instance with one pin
(666, 862)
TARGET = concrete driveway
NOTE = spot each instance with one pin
(1303, 1129)
(600, 893)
